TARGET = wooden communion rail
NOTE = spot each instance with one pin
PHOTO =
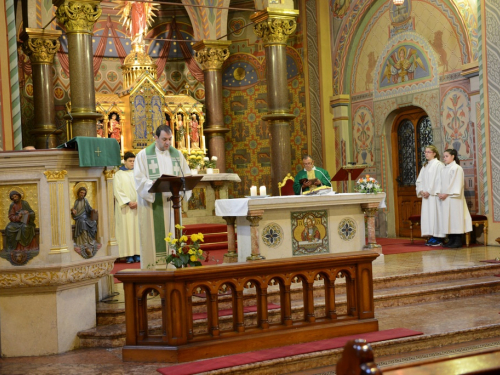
(177, 342)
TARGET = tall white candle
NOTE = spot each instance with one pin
(262, 191)
(204, 147)
(253, 191)
(189, 146)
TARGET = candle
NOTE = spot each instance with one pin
(262, 191)
(189, 146)
(204, 148)
(253, 191)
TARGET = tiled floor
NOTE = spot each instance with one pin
(427, 317)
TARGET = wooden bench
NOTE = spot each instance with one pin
(357, 358)
(477, 220)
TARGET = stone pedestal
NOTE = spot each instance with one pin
(45, 301)
(41, 46)
(211, 54)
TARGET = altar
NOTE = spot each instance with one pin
(287, 226)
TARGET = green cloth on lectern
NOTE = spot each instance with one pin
(95, 152)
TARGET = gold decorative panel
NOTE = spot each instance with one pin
(30, 195)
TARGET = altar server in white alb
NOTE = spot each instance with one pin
(428, 185)
(126, 218)
(455, 219)
(156, 215)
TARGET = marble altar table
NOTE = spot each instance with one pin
(280, 227)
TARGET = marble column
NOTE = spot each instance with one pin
(78, 19)
(41, 46)
(231, 256)
(371, 210)
(254, 217)
(274, 26)
(211, 54)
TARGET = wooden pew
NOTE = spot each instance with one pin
(358, 359)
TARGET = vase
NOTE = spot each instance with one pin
(194, 171)
(210, 170)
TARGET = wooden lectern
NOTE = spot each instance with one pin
(175, 185)
(347, 173)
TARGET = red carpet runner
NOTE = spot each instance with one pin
(284, 351)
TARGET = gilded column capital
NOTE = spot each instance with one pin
(78, 16)
(211, 54)
(55, 175)
(274, 26)
(109, 174)
(40, 45)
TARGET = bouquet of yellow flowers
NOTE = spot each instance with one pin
(195, 159)
(367, 185)
(184, 251)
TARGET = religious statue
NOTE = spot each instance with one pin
(194, 131)
(85, 225)
(136, 17)
(402, 67)
(180, 131)
(100, 129)
(114, 128)
(21, 243)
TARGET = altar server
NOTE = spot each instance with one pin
(455, 219)
(428, 186)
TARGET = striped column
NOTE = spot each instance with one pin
(14, 76)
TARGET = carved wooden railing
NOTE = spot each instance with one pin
(177, 341)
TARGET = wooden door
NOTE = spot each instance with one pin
(412, 132)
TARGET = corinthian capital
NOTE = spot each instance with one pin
(274, 26)
(211, 54)
(40, 45)
(78, 16)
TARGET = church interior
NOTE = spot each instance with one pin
(251, 87)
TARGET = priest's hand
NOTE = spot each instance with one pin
(443, 196)
(306, 184)
(425, 194)
(132, 205)
(317, 183)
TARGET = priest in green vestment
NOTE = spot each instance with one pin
(310, 177)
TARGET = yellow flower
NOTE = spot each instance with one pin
(178, 226)
(200, 252)
(191, 251)
(193, 258)
(183, 239)
(174, 241)
(168, 239)
(200, 237)
(194, 237)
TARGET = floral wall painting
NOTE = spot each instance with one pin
(310, 232)
(362, 133)
(405, 63)
(455, 115)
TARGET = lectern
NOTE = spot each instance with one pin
(347, 173)
(174, 184)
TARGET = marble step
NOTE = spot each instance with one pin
(112, 334)
(115, 314)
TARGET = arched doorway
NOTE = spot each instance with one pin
(411, 133)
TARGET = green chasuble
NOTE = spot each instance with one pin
(320, 173)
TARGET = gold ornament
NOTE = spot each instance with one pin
(79, 16)
(40, 50)
(211, 54)
(239, 74)
(55, 175)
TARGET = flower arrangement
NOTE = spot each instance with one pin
(210, 163)
(183, 254)
(195, 159)
(367, 185)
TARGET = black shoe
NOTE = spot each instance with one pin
(457, 243)
(451, 240)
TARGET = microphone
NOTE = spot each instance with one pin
(53, 131)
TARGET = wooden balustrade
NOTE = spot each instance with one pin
(177, 341)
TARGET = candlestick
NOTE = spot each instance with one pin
(253, 191)
(262, 191)
(189, 146)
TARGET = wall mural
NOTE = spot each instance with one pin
(404, 64)
(362, 133)
(455, 119)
